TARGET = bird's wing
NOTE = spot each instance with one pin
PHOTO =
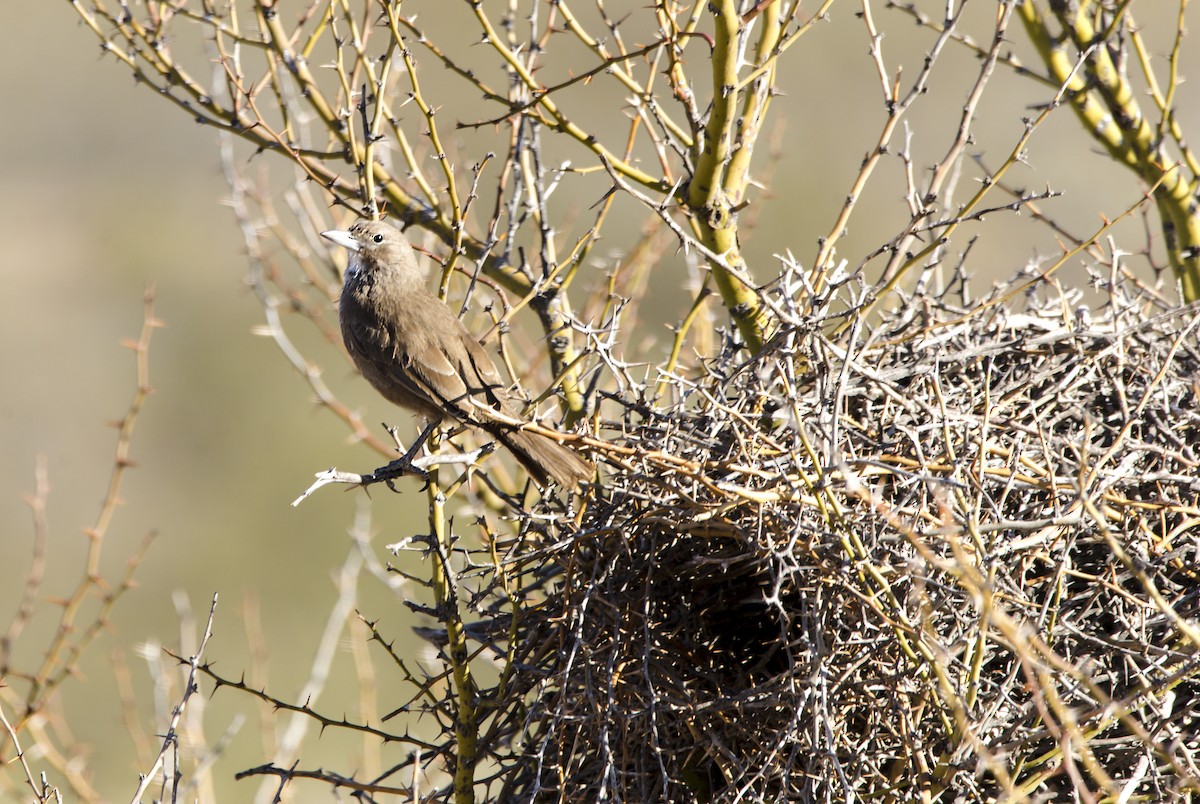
(441, 357)
(477, 388)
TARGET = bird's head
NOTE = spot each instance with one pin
(375, 247)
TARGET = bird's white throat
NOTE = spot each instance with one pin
(353, 266)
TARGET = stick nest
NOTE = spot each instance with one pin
(958, 559)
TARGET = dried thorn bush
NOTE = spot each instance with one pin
(879, 537)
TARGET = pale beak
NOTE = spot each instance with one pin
(342, 238)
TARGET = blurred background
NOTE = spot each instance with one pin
(106, 190)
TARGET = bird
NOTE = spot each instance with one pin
(412, 348)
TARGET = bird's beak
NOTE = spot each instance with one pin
(342, 238)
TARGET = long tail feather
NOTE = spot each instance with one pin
(546, 459)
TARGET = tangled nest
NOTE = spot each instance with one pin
(960, 561)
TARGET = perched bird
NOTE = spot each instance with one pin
(415, 351)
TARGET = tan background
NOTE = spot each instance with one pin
(104, 188)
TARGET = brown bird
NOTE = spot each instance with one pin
(415, 351)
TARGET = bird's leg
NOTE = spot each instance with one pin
(420, 442)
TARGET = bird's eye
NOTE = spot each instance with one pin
(378, 238)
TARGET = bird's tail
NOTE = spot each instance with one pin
(546, 459)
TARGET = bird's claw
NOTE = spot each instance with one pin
(398, 468)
